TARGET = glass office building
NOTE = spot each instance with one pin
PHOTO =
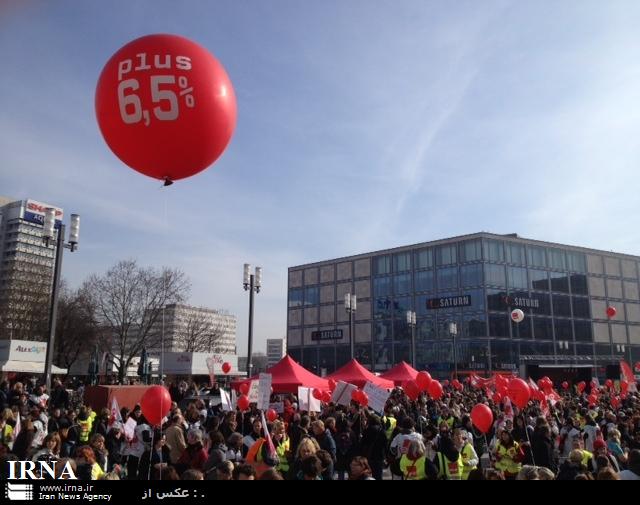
(474, 281)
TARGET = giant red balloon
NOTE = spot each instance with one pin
(435, 390)
(165, 106)
(155, 404)
(423, 379)
(482, 417)
(519, 392)
(226, 367)
(243, 402)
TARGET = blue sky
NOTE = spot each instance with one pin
(362, 125)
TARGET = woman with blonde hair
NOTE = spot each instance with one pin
(412, 463)
(615, 447)
(307, 447)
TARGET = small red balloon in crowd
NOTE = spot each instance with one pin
(615, 402)
(482, 417)
(364, 399)
(497, 397)
(519, 392)
(435, 390)
(326, 397)
(611, 312)
(581, 386)
(457, 385)
(445, 383)
(226, 367)
(624, 386)
(244, 388)
(412, 390)
(317, 394)
(608, 383)
(272, 415)
(155, 404)
(332, 385)
(592, 399)
(593, 384)
(243, 402)
(423, 379)
(165, 106)
(565, 385)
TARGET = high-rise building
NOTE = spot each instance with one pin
(26, 269)
(474, 281)
(196, 329)
(276, 349)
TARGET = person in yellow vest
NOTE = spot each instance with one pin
(6, 430)
(283, 446)
(469, 456)
(84, 426)
(578, 445)
(389, 423)
(413, 462)
(508, 455)
(446, 417)
(448, 461)
(260, 458)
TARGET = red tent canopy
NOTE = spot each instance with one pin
(354, 373)
(400, 373)
(287, 375)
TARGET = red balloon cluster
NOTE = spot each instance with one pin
(243, 402)
(165, 106)
(593, 399)
(519, 392)
(226, 367)
(155, 404)
(482, 417)
(624, 387)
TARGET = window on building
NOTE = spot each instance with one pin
(557, 259)
(447, 278)
(477, 300)
(536, 256)
(544, 304)
(382, 265)
(522, 330)
(517, 278)
(496, 299)
(382, 331)
(402, 262)
(471, 275)
(579, 284)
(498, 325)
(381, 286)
(470, 250)
(400, 307)
(401, 330)
(402, 284)
(539, 280)
(295, 297)
(561, 306)
(576, 262)
(559, 282)
(382, 308)
(494, 250)
(424, 281)
(446, 255)
(515, 253)
(581, 307)
(564, 330)
(312, 296)
(542, 328)
(424, 258)
(583, 331)
(426, 328)
(494, 275)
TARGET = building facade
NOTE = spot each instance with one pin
(474, 281)
(276, 349)
(197, 329)
(26, 269)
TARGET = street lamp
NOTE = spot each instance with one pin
(49, 236)
(453, 333)
(252, 283)
(411, 321)
(350, 305)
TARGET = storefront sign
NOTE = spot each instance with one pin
(449, 302)
(326, 335)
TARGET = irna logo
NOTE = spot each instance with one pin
(39, 470)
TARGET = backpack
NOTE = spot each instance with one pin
(344, 442)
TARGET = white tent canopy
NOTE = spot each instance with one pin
(25, 356)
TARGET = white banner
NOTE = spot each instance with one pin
(377, 397)
(306, 401)
(264, 391)
(254, 391)
(342, 393)
(225, 398)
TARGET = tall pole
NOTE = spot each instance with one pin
(53, 309)
(413, 345)
(250, 345)
(351, 342)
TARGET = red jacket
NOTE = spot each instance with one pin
(194, 456)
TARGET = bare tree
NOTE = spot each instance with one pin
(76, 326)
(129, 301)
(201, 331)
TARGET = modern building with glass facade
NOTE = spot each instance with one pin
(474, 281)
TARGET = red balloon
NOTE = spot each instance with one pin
(581, 386)
(272, 415)
(592, 399)
(445, 383)
(226, 367)
(435, 390)
(332, 385)
(519, 392)
(155, 404)
(624, 387)
(565, 385)
(326, 397)
(355, 395)
(503, 390)
(317, 394)
(608, 383)
(593, 384)
(611, 311)
(540, 383)
(423, 379)
(412, 390)
(615, 402)
(364, 399)
(497, 397)
(482, 417)
(243, 402)
(457, 385)
(165, 106)
(244, 388)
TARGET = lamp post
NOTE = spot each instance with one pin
(49, 236)
(453, 333)
(350, 306)
(411, 321)
(251, 283)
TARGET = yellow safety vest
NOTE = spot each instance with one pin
(506, 462)
(281, 450)
(450, 420)
(391, 421)
(586, 457)
(413, 469)
(467, 454)
(85, 429)
(450, 470)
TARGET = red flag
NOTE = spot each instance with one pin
(627, 375)
(115, 413)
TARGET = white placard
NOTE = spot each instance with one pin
(278, 407)
(377, 397)
(130, 428)
(225, 398)
(342, 393)
(306, 401)
(264, 391)
(254, 391)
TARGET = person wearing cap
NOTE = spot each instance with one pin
(469, 456)
(600, 450)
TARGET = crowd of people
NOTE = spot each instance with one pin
(426, 439)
